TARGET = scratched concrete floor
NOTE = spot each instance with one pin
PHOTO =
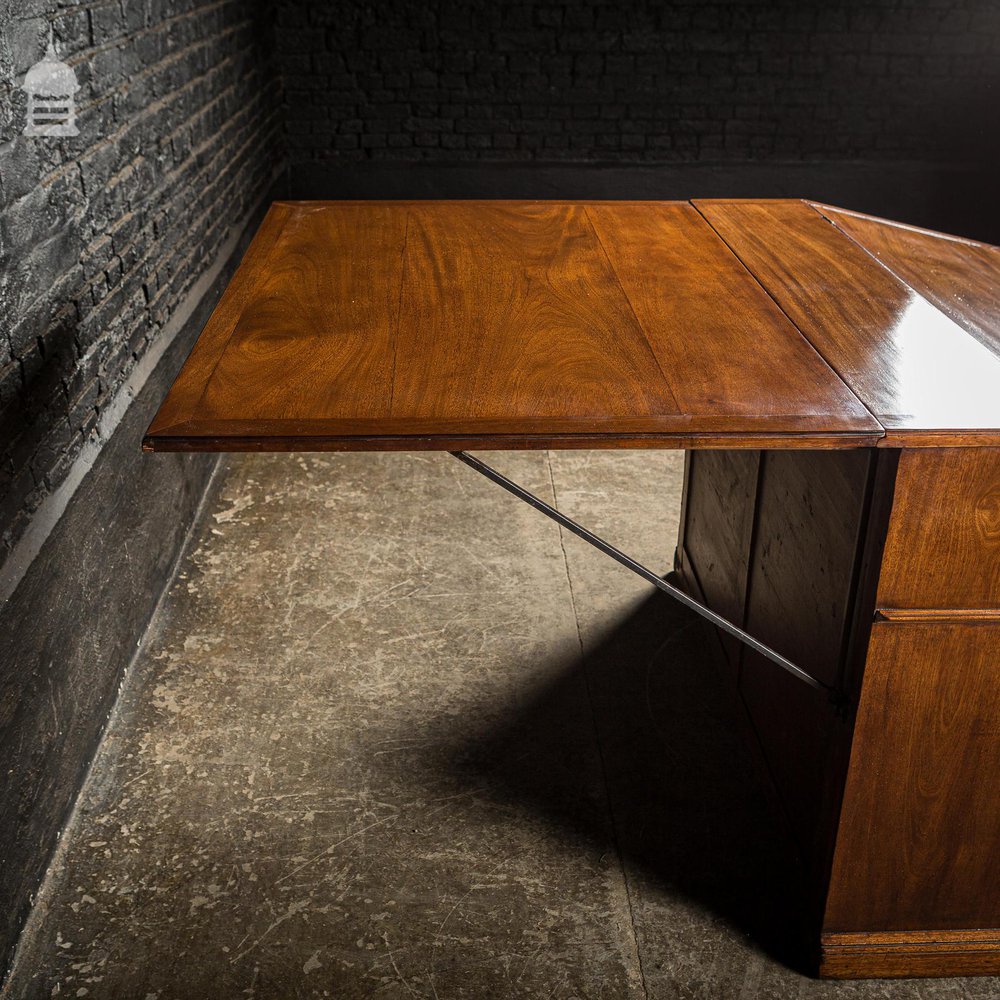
(394, 735)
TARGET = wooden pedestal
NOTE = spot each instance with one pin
(878, 571)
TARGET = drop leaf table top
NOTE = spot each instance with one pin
(394, 325)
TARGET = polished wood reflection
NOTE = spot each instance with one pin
(702, 310)
(513, 312)
(961, 277)
(926, 379)
(387, 325)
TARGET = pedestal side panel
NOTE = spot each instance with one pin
(810, 518)
(717, 525)
(915, 882)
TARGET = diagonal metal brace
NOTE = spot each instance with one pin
(647, 574)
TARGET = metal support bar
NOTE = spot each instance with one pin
(647, 574)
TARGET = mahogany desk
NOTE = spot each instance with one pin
(836, 381)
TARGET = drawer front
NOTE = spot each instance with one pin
(943, 545)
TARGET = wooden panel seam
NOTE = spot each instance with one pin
(895, 435)
(399, 308)
(823, 208)
(794, 325)
(631, 306)
(882, 263)
(752, 542)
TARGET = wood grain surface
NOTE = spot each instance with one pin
(920, 823)
(904, 954)
(943, 546)
(716, 534)
(920, 820)
(894, 796)
(723, 346)
(512, 312)
(961, 277)
(926, 379)
(318, 333)
(800, 588)
(415, 325)
(187, 390)
(776, 542)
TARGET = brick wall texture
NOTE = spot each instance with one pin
(631, 81)
(102, 234)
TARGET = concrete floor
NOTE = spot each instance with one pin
(394, 735)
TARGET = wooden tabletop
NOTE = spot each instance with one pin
(363, 325)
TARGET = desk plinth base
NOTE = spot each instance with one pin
(908, 954)
(875, 570)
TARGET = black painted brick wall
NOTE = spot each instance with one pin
(101, 235)
(635, 81)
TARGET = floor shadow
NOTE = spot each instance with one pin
(689, 817)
